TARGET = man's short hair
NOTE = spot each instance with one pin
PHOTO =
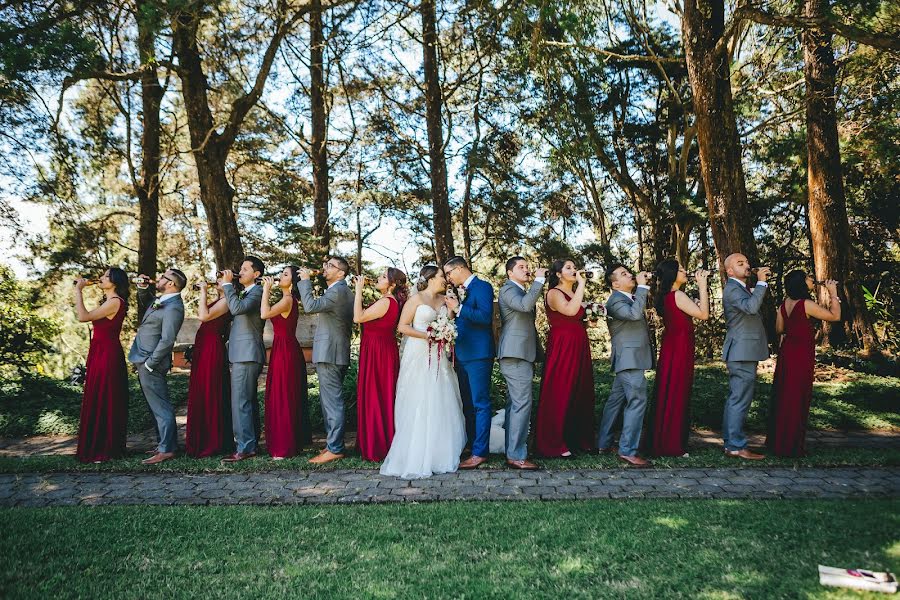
(256, 263)
(511, 263)
(609, 273)
(457, 261)
(179, 279)
(342, 264)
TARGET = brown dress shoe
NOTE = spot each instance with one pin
(473, 462)
(636, 461)
(238, 457)
(524, 465)
(158, 458)
(745, 454)
(324, 457)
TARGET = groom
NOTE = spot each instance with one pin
(474, 353)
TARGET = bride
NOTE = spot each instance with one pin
(430, 428)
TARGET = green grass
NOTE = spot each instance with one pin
(608, 549)
(700, 458)
(44, 406)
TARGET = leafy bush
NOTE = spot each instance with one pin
(24, 336)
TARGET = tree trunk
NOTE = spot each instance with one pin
(828, 222)
(703, 24)
(319, 141)
(147, 189)
(440, 197)
(209, 152)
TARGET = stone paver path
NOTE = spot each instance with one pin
(365, 486)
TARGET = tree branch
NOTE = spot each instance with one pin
(889, 42)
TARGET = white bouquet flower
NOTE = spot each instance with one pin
(441, 332)
(594, 311)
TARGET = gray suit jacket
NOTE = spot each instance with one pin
(745, 339)
(518, 337)
(156, 334)
(331, 343)
(245, 342)
(628, 330)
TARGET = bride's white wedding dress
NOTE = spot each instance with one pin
(430, 430)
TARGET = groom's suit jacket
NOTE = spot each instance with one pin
(475, 339)
(156, 335)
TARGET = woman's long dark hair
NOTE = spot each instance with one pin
(426, 274)
(397, 278)
(295, 279)
(795, 285)
(556, 268)
(666, 274)
(119, 279)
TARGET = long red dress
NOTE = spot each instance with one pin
(376, 384)
(104, 406)
(565, 417)
(208, 406)
(670, 424)
(794, 374)
(286, 393)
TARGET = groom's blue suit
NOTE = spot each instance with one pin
(474, 361)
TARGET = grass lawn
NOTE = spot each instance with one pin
(609, 549)
(850, 400)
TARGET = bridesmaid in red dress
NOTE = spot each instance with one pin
(104, 406)
(208, 406)
(379, 363)
(670, 419)
(796, 362)
(565, 416)
(287, 430)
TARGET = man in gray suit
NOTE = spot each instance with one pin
(246, 353)
(151, 354)
(331, 348)
(517, 353)
(745, 345)
(631, 356)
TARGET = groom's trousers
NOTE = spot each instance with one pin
(475, 388)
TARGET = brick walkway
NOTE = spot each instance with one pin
(365, 486)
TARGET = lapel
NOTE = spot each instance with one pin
(468, 289)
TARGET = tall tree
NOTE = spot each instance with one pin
(210, 145)
(709, 72)
(440, 197)
(828, 222)
(319, 125)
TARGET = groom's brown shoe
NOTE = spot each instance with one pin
(524, 465)
(473, 462)
(745, 454)
(324, 457)
(238, 457)
(636, 461)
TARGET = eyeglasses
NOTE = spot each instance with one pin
(325, 265)
(452, 269)
(166, 277)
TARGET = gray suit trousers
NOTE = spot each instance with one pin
(245, 405)
(156, 392)
(331, 385)
(629, 388)
(518, 374)
(741, 385)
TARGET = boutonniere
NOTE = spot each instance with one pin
(594, 311)
(242, 294)
(156, 304)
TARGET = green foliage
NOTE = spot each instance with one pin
(25, 337)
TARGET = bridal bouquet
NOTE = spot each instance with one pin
(593, 312)
(442, 332)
